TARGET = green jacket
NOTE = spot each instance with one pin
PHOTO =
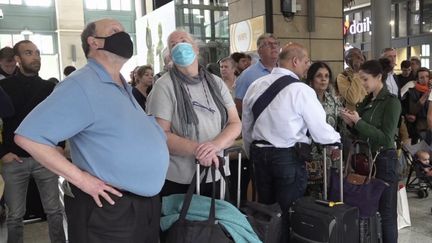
(379, 120)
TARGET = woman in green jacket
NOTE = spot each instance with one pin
(376, 121)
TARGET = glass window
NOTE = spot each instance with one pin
(124, 5)
(349, 38)
(367, 34)
(427, 16)
(402, 26)
(6, 40)
(357, 18)
(96, 4)
(43, 42)
(39, 3)
(414, 17)
(186, 16)
(392, 21)
(16, 2)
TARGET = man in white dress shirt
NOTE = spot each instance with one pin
(270, 140)
(391, 82)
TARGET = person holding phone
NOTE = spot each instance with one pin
(375, 121)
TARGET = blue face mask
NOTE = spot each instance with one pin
(183, 54)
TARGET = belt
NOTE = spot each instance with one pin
(262, 143)
(266, 144)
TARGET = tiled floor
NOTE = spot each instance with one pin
(419, 232)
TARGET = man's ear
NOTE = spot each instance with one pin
(295, 61)
(91, 41)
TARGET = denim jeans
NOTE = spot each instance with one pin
(280, 177)
(16, 176)
(386, 168)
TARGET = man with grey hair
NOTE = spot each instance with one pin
(227, 70)
(391, 82)
(119, 153)
(268, 48)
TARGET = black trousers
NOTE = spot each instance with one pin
(171, 187)
(132, 219)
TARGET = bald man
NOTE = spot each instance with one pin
(120, 157)
(272, 136)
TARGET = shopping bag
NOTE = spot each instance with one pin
(404, 219)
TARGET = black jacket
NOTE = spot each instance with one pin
(25, 93)
(6, 107)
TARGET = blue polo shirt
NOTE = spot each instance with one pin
(247, 77)
(111, 137)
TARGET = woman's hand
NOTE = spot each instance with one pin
(206, 154)
(350, 117)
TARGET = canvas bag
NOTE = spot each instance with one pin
(359, 191)
(403, 219)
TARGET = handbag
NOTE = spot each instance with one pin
(191, 231)
(359, 191)
(360, 160)
(403, 219)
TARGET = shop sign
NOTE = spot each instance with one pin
(357, 27)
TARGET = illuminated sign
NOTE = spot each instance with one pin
(357, 27)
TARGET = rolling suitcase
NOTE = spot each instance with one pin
(266, 220)
(323, 221)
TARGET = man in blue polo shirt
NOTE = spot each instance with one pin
(120, 157)
(268, 48)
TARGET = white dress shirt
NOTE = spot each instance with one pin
(391, 84)
(295, 110)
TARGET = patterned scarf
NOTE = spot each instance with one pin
(187, 115)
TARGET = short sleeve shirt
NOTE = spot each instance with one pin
(110, 135)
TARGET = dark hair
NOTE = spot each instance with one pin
(405, 64)
(7, 53)
(89, 30)
(313, 69)
(213, 68)
(423, 69)
(17, 46)
(53, 80)
(236, 56)
(375, 67)
(68, 70)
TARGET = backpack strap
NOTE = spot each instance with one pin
(270, 93)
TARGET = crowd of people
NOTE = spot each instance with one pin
(132, 143)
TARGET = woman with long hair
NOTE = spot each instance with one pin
(376, 121)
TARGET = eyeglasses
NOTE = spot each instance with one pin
(271, 44)
(197, 104)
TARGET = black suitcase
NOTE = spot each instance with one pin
(266, 220)
(322, 221)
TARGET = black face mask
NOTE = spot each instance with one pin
(119, 43)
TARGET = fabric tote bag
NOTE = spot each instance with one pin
(360, 191)
(191, 231)
(403, 219)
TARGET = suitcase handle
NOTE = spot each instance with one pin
(339, 145)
